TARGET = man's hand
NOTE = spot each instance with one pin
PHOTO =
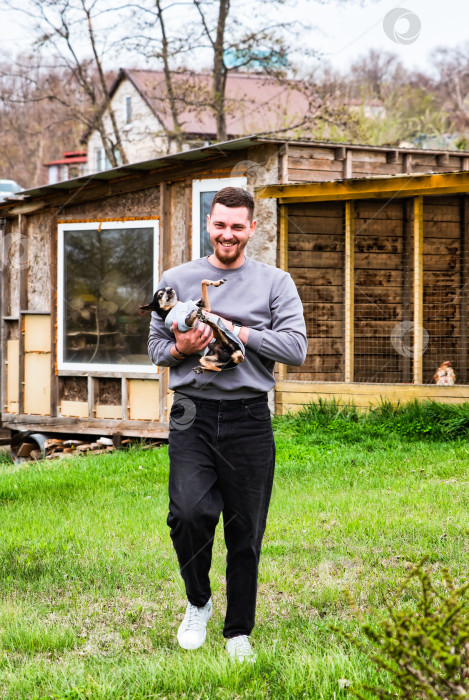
(194, 340)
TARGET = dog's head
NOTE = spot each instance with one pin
(162, 302)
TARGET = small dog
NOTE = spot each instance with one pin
(445, 374)
(226, 350)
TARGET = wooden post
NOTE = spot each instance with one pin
(418, 289)
(165, 252)
(54, 380)
(462, 376)
(348, 164)
(349, 285)
(407, 274)
(283, 264)
(23, 301)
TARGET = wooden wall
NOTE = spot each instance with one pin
(383, 288)
(316, 263)
(316, 163)
(445, 262)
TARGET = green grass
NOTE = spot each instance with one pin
(90, 591)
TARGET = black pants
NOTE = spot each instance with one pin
(222, 457)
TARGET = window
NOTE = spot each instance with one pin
(106, 271)
(203, 192)
(128, 109)
(101, 159)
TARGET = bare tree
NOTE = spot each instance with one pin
(66, 29)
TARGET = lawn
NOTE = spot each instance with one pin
(91, 596)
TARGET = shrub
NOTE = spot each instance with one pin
(425, 646)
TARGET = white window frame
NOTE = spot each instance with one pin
(212, 185)
(93, 226)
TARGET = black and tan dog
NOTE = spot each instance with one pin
(224, 352)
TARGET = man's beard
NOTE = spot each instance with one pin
(229, 255)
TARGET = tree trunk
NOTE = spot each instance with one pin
(219, 71)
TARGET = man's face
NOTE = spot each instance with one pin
(229, 229)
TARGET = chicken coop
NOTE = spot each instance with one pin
(80, 256)
(382, 267)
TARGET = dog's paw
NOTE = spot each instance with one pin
(199, 369)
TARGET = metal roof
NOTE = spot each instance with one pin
(201, 154)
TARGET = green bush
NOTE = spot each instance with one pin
(413, 420)
(422, 641)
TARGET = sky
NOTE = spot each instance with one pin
(342, 31)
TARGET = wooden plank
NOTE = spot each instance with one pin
(378, 278)
(23, 302)
(440, 262)
(316, 277)
(334, 210)
(324, 329)
(37, 383)
(314, 312)
(165, 252)
(59, 424)
(370, 188)
(143, 400)
(106, 411)
(309, 164)
(37, 333)
(316, 224)
(418, 290)
(378, 295)
(325, 295)
(379, 244)
(349, 291)
(463, 373)
(325, 346)
(407, 280)
(378, 261)
(12, 375)
(315, 242)
(54, 381)
(378, 311)
(348, 163)
(283, 261)
(315, 259)
(440, 246)
(74, 409)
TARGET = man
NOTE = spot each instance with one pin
(221, 445)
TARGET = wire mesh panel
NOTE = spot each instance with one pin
(445, 281)
(316, 263)
(383, 291)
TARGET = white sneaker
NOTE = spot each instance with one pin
(193, 629)
(239, 648)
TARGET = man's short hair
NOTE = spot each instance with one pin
(234, 197)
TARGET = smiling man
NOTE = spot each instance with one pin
(221, 445)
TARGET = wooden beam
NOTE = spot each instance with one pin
(407, 278)
(348, 164)
(463, 373)
(418, 290)
(165, 228)
(23, 301)
(349, 290)
(99, 426)
(283, 263)
(369, 188)
(54, 380)
(283, 239)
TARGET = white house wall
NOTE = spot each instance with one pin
(142, 138)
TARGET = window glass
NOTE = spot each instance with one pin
(206, 198)
(108, 274)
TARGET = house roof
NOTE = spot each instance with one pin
(254, 103)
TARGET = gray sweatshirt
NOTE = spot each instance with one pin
(259, 296)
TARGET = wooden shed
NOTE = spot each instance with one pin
(80, 256)
(382, 266)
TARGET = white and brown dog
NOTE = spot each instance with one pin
(444, 375)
